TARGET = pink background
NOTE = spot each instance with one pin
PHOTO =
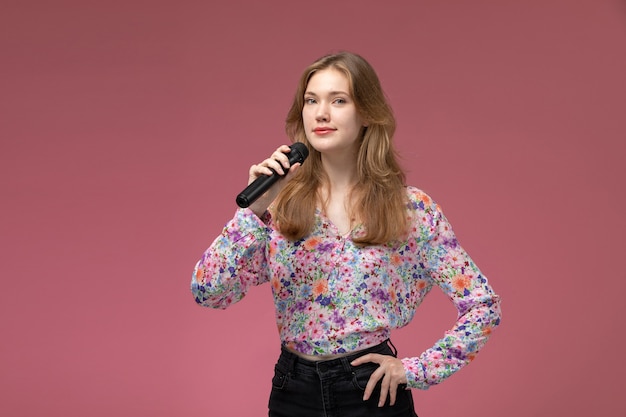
(127, 129)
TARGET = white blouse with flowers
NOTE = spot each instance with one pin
(332, 296)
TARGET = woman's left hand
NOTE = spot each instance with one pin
(390, 369)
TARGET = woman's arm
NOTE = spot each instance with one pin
(451, 268)
(235, 261)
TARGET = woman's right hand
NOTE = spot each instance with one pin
(279, 163)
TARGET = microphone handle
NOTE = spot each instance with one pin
(256, 189)
(259, 186)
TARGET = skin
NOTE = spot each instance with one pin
(328, 105)
(333, 127)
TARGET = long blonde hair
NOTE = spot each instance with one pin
(379, 197)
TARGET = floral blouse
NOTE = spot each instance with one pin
(332, 296)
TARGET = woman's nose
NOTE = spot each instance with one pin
(322, 114)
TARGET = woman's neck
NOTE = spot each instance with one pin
(341, 174)
(336, 193)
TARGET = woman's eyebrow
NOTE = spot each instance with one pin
(330, 93)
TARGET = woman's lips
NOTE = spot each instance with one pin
(323, 130)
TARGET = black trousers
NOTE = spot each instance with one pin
(332, 388)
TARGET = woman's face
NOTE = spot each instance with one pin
(331, 121)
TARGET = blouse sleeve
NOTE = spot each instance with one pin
(235, 261)
(450, 267)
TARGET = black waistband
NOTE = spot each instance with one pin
(292, 359)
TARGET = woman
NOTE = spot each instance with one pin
(350, 252)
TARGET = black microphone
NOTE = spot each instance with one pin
(259, 186)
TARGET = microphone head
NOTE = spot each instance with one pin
(299, 153)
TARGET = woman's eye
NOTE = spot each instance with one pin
(309, 101)
(340, 101)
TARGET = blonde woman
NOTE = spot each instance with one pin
(350, 252)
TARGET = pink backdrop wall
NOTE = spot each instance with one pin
(127, 128)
